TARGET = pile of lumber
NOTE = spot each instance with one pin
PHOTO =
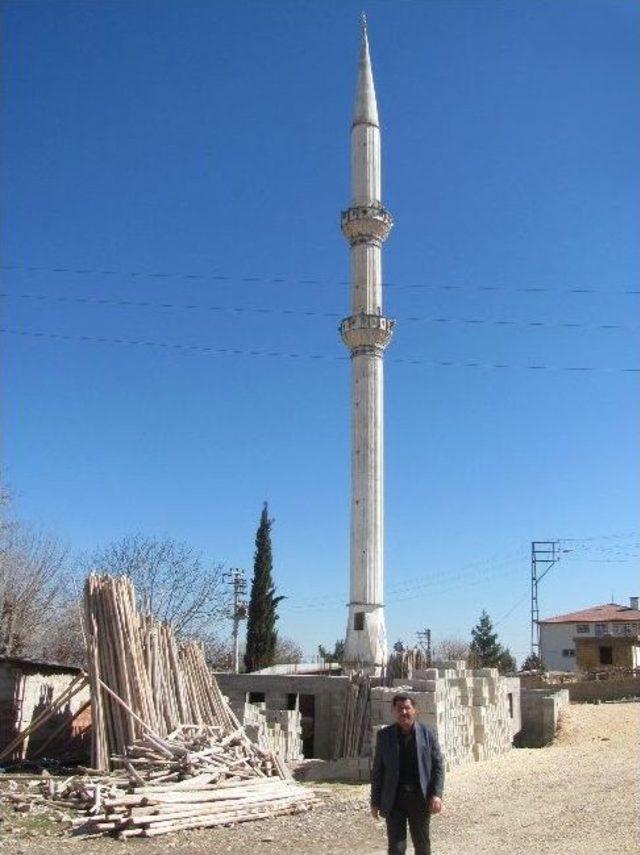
(403, 664)
(353, 737)
(141, 677)
(195, 778)
(178, 756)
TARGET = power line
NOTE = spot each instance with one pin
(467, 571)
(436, 582)
(149, 304)
(468, 574)
(197, 348)
(284, 280)
(512, 609)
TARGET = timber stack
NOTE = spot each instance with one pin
(356, 721)
(168, 753)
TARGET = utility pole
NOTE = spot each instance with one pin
(238, 583)
(424, 642)
(544, 554)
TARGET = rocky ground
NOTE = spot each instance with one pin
(578, 796)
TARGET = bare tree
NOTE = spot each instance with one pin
(451, 648)
(63, 640)
(288, 652)
(219, 654)
(31, 569)
(172, 581)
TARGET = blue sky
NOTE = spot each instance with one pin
(150, 147)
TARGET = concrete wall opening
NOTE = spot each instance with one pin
(358, 620)
(256, 697)
(307, 722)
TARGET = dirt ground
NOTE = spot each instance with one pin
(577, 796)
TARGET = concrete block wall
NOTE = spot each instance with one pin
(277, 730)
(476, 714)
(604, 690)
(541, 710)
(351, 769)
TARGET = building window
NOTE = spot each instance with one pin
(256, 697)
(510, 699)
(627, 630)
(358, 620)
(601, 629)
(568, 652)
(582, 629)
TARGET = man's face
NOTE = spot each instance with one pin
(405, 714)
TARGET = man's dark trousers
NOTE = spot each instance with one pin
(410, 806)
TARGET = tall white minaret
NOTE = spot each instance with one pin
(366, 225)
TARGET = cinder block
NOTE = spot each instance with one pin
(493, 673)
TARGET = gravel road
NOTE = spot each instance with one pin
(577, 796)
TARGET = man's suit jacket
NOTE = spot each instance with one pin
(386, 766)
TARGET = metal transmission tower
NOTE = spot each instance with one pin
(238, 583)
(544, 554)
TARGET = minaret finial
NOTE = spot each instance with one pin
(366, 109)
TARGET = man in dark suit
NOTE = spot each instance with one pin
(407, 778)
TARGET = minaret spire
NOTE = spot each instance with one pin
(366, 332)
(366, 108)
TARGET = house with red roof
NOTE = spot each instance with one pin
(599, 637)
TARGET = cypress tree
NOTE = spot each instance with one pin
(261, 632)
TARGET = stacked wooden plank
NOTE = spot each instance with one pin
(141, 677)
(352, 738)
(195, 778)
(162, 726)
(403, 664)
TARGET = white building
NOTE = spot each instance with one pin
(558, 635)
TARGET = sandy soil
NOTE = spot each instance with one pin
(578, 796)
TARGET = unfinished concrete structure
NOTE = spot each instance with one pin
(366, 332)
(541, 710)
(320, 701)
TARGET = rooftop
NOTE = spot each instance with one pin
(26, 664)
(598, 614)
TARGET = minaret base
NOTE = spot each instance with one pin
(366, 647)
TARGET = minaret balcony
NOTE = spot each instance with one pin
(366, 333)
(362, 223)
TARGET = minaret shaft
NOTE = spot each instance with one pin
(366, 225)
(366, 173)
